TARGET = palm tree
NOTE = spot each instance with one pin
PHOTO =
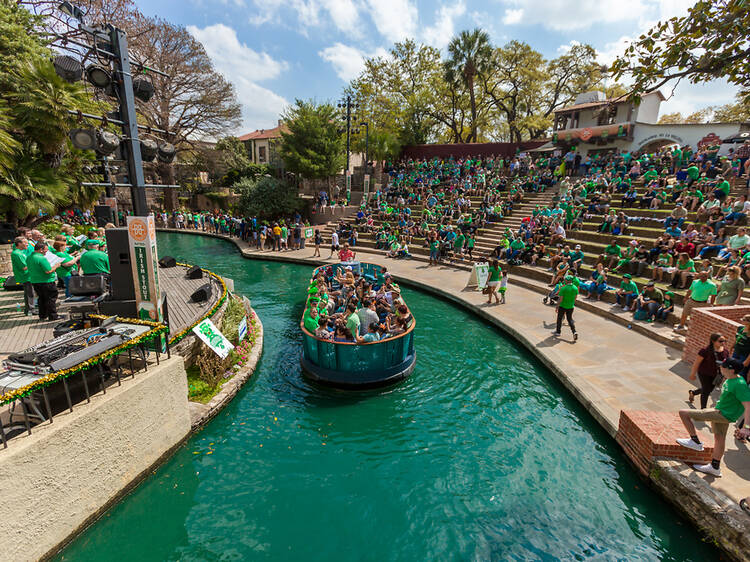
(469, 55)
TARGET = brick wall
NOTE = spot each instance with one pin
(705, 321)
(646, 436)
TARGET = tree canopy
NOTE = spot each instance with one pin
(313, 147)
(711, 41)
(266, 197)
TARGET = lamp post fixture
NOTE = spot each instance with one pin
(366, 125)
(348, 107)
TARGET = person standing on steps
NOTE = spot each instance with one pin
(706, 367)
(733, 405)
(334, 243)
(567, 303)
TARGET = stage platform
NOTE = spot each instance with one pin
(18, 332)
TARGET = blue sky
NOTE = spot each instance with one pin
(276, 51)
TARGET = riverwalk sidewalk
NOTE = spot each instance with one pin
(609, 369)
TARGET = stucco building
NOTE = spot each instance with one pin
(263, 145)
(595, 124)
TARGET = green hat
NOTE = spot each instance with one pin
(627, 276)
(312, 290)
(669, 293)
(93, 242)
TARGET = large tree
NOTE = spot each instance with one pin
(39, 169)
(313, 147)
(711, 41)
(469, 58)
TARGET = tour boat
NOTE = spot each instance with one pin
(356, 366)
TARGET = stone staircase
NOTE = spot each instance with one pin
(647, 227)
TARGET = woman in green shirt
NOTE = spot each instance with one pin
(65, 270)
(493, 281)
(685, 267)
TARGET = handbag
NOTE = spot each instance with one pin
(486, 290)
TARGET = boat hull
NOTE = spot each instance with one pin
(359, 380)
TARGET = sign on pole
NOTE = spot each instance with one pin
(242, 329)
(348, 186)
(309, 233)
(479, 275)
(144, 261)
(213, 338)
(367, 187)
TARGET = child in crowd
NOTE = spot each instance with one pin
(503, 286)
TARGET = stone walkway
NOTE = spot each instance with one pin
(610, 368)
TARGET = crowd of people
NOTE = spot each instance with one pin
(346, 306)
(45, 265)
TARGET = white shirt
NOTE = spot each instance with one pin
(335, 238)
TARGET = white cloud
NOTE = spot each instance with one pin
(344, 14)
(564, 49)
(613, 49)
(395, 20)
(689, 98)
(440, 34)
(513, 17)
(244, 67)
(348, 61)
(567, 15)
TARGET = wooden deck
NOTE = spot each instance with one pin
(18, 332)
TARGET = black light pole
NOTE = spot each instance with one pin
(366, 125)
(349, 108)
(130, 125)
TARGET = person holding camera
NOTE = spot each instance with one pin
(706, 368)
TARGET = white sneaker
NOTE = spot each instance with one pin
(708, 469)
(624, 307)
(690, 444)
(678, 328)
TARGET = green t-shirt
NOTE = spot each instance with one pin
(613, 250)
(495, 273)
(94, 261)
(62, 271)
(734, 392)
(701, 290)
(693, 172)
(629, 286)
(38, 267)
(18, 260)
(724, 186)
(568, 294)
(742, 342)
(352, 323)
(311, 324)
(518, 244)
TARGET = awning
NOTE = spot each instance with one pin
(737, 138)
(546, 147)
(590, 134)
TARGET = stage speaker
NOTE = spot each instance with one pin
(104, 214)
(10, 284)
(118, 248)
(167, 261)
(87, 285)
(195, 272)
(202, 294)
(122, 308)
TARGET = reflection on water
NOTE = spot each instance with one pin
(480, 455)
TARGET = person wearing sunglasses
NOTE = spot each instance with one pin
(706, 368)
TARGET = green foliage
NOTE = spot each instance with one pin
(233, 315)
(39, 169)
(710, 42)
(266, 198)
(313, 148)
(52, 228)
(233, 154)
(253, 171)
(198, 389)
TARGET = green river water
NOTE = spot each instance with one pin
(480, 455)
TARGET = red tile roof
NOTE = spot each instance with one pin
(265, 133)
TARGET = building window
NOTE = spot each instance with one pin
(607, 115)
(561, 121)
(261, 154)
(574, 120)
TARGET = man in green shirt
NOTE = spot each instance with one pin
(93, 261)
(612, 252)
(693, 172)
(722, 190)
(627, 292)
(567, 293)
(18, 258)
(702, 292)
(733, 404)
(352, 322)
(42, 277)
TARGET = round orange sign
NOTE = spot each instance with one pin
(586, 134)
(138, 230)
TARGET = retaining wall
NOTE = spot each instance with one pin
(60, 478)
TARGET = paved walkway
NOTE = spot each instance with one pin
(610, 368)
